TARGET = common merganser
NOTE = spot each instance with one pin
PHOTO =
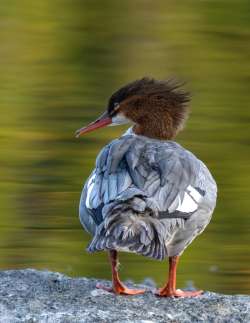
(147, 194)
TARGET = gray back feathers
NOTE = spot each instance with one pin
(133, 194)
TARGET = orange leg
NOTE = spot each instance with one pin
(170, 288)
(118, 286)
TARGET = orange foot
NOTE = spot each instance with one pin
(177, 293)
(121, 290)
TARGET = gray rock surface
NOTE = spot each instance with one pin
(42, 296)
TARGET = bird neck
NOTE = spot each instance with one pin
(156, 128)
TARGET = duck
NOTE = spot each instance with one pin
(146, 194)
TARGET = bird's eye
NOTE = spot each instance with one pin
(116, 105)
(113, 110)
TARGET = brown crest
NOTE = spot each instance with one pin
(158, 108)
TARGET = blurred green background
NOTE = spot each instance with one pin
(60, 61)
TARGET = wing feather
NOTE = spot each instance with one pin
(143, 177)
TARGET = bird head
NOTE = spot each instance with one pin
(157, 109)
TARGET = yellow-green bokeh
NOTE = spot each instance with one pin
(60, 61)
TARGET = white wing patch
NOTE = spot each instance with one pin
(194, 193)
(189, 203)
(90, 186)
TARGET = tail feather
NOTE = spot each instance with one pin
(129, 227)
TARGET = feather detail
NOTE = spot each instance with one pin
(142, 193)
(131, 224)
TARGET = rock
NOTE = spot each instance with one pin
(42, 296)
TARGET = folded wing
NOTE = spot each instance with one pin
(139, 194)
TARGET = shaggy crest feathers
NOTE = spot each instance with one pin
(161, 100)
(167, 89)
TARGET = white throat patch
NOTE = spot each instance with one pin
(119, 119)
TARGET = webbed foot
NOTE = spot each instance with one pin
(120, 289)
(163, 292)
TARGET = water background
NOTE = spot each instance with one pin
(60, 61)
